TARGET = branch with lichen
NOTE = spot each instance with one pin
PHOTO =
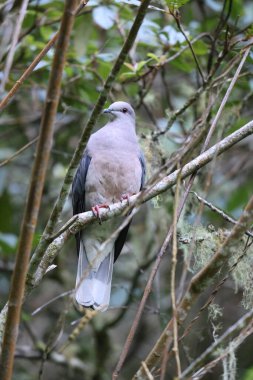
(204, 278)
(212, 350)
(78, 222)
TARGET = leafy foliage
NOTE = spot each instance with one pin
(173, 106)
(172, 4)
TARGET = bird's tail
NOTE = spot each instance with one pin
(93, 288)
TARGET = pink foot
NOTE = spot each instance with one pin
(126, 197)
(96, 212)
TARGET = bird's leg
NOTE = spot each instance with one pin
(96, 212)
(126, 197)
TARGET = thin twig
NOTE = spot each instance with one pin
(212, 350)
(173, 292)
(225, 99)
(219, 212)
(18, 152)
(147, 371)
(234, 344)
(14, 41)
(35, 62)
(173, 279)
(176, 16)
(38, 310)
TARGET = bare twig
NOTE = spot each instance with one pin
(219, 212)
(173, 292)
(35, 62)
(14, 41)
(38, 310)
(34, 195)
(17, 153)
(176, 16)
(147, 371)
(225, 99)
(28, 352)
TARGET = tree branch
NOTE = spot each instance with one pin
(45, 240)
(212, 350)
(199, 283)
(34, 195)
(118, 208)
(35, 62)
(14, 42)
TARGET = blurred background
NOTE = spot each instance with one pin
(159, 77)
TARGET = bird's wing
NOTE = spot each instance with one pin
(78, 191)
(143, 169)
(120, 241)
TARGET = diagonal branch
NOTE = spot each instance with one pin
(80, 221)
(36, 274)
(34, 194)
(212, 350)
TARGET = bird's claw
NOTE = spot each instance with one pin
(125, 197)
(96, 212)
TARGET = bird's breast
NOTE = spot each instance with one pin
(111, 175)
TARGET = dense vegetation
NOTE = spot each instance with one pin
(181, 76)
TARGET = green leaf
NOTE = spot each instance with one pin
(140, 65)
(129, 66)
(154, 57)
(127, 75)
(175, 4)
(248, 375)
(200, 48)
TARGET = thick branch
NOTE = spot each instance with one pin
(34, 195)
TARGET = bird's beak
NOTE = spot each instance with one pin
(107, 110)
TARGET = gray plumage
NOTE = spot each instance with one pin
(112, 165)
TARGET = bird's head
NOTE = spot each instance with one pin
(120, 111)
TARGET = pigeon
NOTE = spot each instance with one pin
(112, 168)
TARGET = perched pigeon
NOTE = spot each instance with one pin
(112, 166)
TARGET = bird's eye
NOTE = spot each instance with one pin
(124, 110)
